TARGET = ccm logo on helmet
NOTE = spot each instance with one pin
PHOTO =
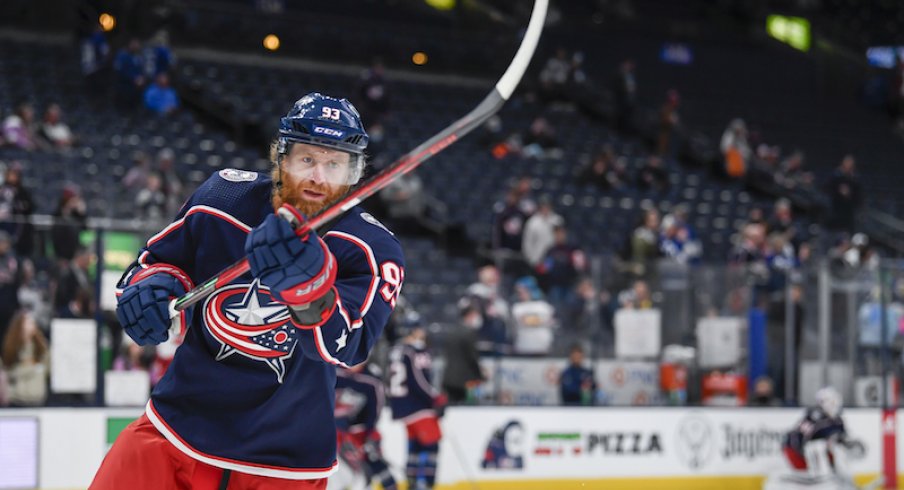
(335, 133)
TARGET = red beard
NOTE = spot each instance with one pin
(291, 193)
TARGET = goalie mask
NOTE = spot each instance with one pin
(327, 123)
(829, 400)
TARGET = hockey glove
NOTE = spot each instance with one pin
(296, 266)
(143, 308)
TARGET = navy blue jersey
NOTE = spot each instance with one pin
(576, 385)
(359, 400)
(816, 424)
(247, 390)
(411, 394)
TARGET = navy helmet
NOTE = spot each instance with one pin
(321, 120)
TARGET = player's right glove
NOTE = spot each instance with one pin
(143, 307)
(296, 266)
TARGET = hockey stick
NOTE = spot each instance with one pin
(408, 162)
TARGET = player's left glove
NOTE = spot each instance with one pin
(295, 265)
(143, 307)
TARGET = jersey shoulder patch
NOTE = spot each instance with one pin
(236, 175)
(374, 221)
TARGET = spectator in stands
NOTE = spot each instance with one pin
(645, 241)
(756, 216)
(133, 357)
(10, 280)
(554, 77)
(796, 182)
(854, 254)
(680, 213)
(19, 128)
(74, 296)
(539, 232)
(405, 200)
(736, 152)
(160, 98)
(54, 130)
(782, 222)
(151, 202)
(600, 171)
(463, 373)
(136, 178)
(374, 94)
(523, 187)
(676, 242)
(561, 267)
(845, 195)
(586, 316)
(486, 294)
(16, 207)
(32, 296)
(541, 141)
(508, 224)
(625, 89)
(577, 385)
(158, 57)
(669, 123)
(95, 51)
(781, 260)
(533, 317)
(763, 393)
(130, 78)
(652, 176)
(752, 246)
(69, 221)
(26, 358)
(171, 183)
(637, 297)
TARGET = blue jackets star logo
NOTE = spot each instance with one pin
(245, 320)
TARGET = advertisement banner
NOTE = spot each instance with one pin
(524, 444)
(532, 382)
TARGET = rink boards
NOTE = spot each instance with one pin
(495, 448)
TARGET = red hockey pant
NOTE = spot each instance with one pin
(142, 459)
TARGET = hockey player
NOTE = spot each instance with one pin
(818, 448)
(416, 402)
(248, 400)
(359, 401)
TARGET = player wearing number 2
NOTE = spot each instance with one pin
(416, 402)
(248, 400)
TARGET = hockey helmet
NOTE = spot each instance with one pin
(829, 400)
(321, 120)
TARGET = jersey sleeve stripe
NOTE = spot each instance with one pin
(371, 261)
(231, 464)
(322, 349)
(199, 209)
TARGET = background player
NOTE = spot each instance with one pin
(359, 402)
(818, 448)
(415, 401)
(248, 399)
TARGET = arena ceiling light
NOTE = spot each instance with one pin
(271, 42)
(107, 22)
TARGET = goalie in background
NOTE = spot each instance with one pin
(818, 449)
(415, 401)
